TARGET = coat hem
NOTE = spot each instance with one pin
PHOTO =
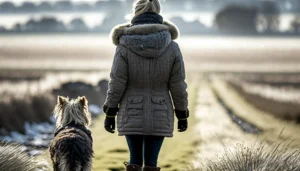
(153, 134)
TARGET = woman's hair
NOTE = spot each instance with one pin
(142, 6)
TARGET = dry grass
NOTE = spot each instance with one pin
(258, 157)
(13, 159)
(28, 96)
(289, 110)
(215, 126)
(271, 126)
(31, 108)
(219, 135)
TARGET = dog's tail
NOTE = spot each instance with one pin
(12, 158)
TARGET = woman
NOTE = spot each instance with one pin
(147, 67)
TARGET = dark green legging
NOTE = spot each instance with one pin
(144, 148)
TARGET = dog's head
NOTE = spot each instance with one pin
(75, 110)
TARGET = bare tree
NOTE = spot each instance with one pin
(269, 19)
(295, 25)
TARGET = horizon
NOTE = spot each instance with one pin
(18, 2)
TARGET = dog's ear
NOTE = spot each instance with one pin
(83, 101)
(61, 100)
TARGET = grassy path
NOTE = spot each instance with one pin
(177, 152)
(215, 127)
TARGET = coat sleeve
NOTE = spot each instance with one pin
(118, 79)
(177, 84)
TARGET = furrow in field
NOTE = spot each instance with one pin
(273, 129)
(215, 127)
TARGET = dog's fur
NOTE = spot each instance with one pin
(71, 149)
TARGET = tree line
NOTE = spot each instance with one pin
(232, 19)
(239, 19)
(122, 5)
(67, 5)
(60, 6)
(52, 24)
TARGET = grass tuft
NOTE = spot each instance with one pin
(12, 158)
(259, 157)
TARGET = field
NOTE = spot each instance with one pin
(236, 85)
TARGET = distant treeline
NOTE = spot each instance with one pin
(242, 18)
(52, 24)
(67, 5)
(125, 5)
(236, 19)
(60, 6)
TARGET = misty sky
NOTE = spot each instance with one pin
(38, 1)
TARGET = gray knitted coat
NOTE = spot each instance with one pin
(147, 71)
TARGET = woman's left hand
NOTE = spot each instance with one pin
(110, 124)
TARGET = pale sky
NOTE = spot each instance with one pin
(38, 1)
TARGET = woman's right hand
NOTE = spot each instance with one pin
(182, 125)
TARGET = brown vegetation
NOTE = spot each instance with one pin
(278, 157)
(283, 109)
(32, 108)
(12, 158)
(30, 96)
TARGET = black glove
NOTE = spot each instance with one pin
(110, 124)
(111, 112)
(182, 119)
(182, 125)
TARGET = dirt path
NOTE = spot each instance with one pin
(215, 126)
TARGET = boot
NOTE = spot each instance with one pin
(147, 168)
(132, 167)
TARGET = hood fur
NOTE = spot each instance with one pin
(147, 46)
(143, 29)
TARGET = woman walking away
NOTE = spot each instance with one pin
(147, 66)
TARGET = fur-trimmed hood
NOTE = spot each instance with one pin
(128, 29)
(146, 40)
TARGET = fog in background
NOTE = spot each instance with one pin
(192, 16)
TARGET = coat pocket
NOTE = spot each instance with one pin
(134, 110)
(135, 105)
(160, 112)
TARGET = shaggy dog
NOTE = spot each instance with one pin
(71, 149)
